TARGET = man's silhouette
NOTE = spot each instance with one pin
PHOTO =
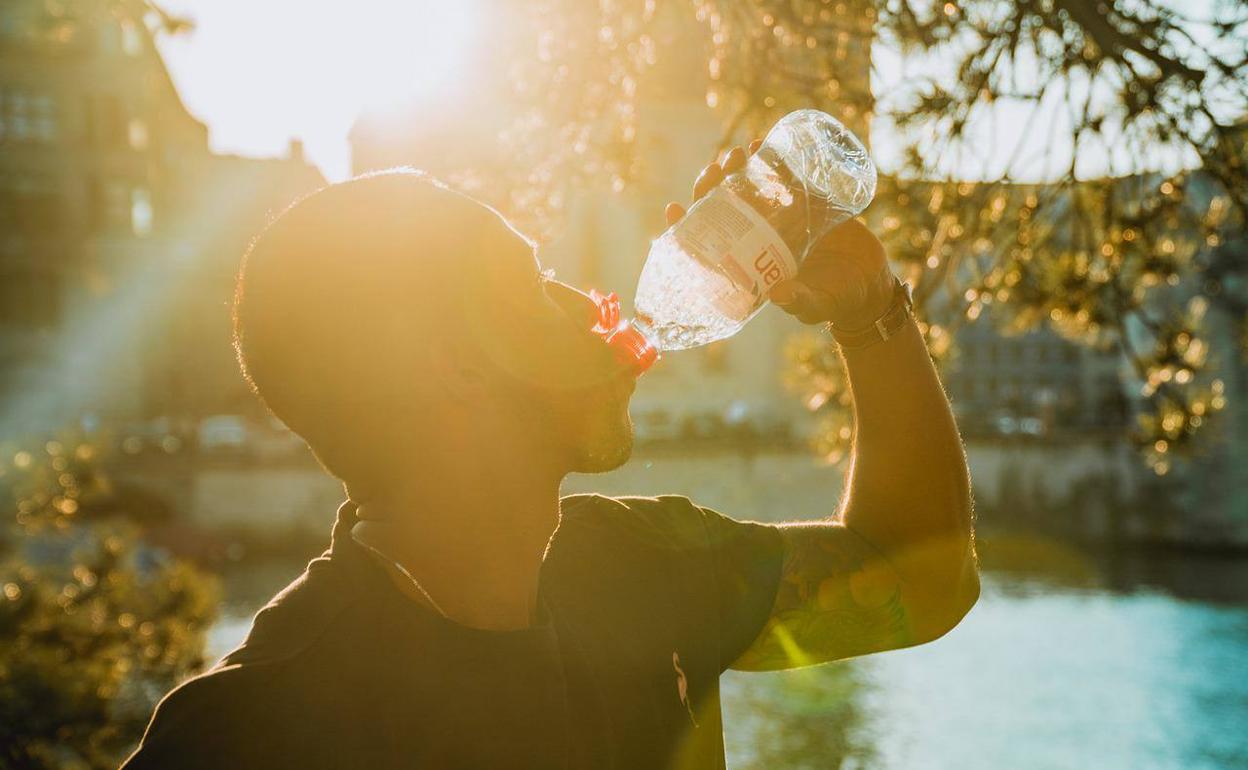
(467, 616)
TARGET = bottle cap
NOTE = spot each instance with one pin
(631, 347)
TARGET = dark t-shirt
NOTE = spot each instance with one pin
(643, 603)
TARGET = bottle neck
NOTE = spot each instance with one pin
(635, 346)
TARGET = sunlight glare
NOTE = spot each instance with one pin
(263, 73)
(409, 52)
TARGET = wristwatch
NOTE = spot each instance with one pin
(899, 313)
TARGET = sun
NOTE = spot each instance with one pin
(410, 51)
(262, 73)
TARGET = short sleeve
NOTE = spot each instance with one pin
(665, 561)
(747, 558)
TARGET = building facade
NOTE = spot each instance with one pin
(120, 231)
(1034, 383)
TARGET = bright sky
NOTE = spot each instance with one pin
(261, 72)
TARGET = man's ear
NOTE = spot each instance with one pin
(455, 374)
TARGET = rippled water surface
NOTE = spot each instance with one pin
(1039, 675)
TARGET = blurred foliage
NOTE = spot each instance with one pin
(1130, 262)
(95, 626)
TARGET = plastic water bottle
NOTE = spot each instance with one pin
(712, 271)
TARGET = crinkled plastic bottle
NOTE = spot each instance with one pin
(712, 271)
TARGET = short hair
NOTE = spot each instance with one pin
(330, 292)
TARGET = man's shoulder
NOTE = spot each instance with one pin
(590, 503)
(301, 616)
(670, 522)
(232, 713)
(203, 720)
(666, 520)
(646, 509)
(206, 693)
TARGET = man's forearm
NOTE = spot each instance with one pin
(908, 491)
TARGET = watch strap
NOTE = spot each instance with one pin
(892, 322)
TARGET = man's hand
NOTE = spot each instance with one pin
(845, 277)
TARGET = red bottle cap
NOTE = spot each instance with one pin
(631, 347)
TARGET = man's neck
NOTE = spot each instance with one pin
(475, 545)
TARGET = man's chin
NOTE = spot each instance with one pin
(606, 452)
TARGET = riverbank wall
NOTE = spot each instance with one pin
(1091, 490)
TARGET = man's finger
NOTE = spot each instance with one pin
(784, 293)
(734, 161)
(710, 176)
(806, 304)
(673, 213)
(754, 145)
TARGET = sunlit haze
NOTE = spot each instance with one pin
(263, 73)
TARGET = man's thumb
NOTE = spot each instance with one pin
(785, 292)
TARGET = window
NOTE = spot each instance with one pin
(131, 39)
(43, 118)
(141, 211)
(26, 116)
(138, 134)
(11, 27)
(16, 115)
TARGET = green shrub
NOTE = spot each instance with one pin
(95, 625)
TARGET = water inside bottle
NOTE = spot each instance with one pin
(683, 302)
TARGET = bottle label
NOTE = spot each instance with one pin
(746, 248)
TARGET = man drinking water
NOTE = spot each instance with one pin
(468, 616)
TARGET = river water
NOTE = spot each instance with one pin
(1071, 659)
(1041, 674)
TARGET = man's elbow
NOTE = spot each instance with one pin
(940, 583)
(939, 620)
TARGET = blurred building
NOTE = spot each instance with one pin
(120, 231)
(1214, 486)
(1036, 383)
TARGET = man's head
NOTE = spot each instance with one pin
(390, 321)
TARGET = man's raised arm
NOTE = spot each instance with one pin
(897, 565)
